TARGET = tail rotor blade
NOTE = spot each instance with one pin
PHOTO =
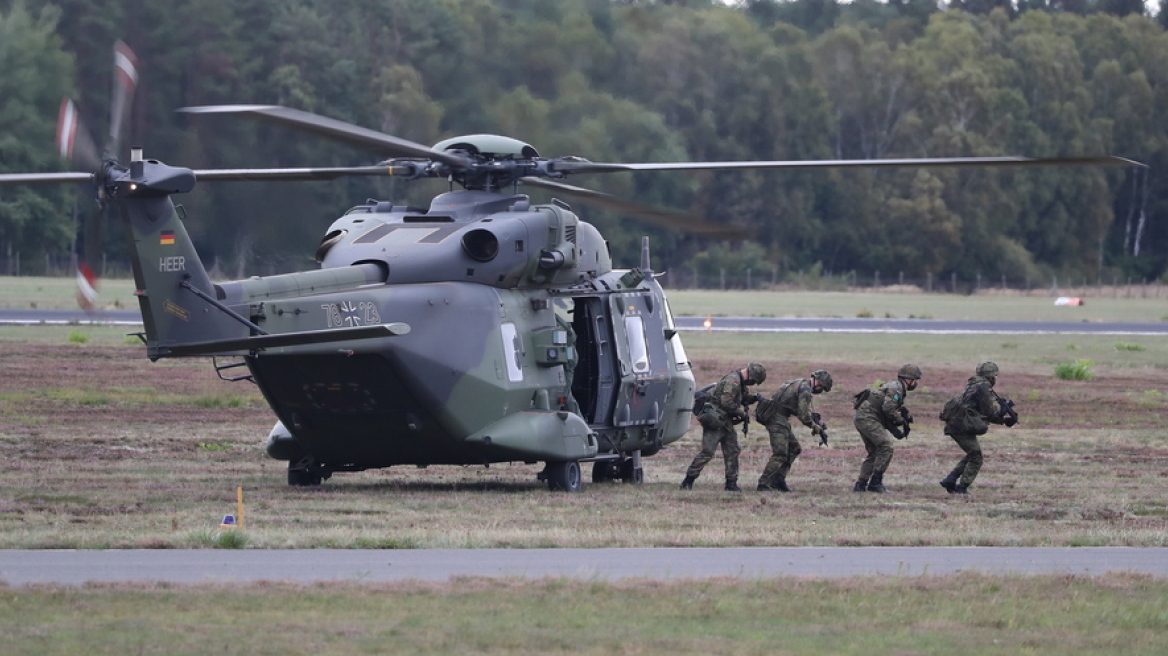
(74, 142)
(122, 98)
(90, 264)
(86, 287)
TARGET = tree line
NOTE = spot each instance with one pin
(637, 81)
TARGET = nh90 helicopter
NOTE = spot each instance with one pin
(482, 329)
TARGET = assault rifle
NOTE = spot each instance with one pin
(1006, 411)
(817, 419)
(896, 430)
(747, 401)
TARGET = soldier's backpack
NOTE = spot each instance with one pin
(858, 400)
(961, 418)
(701, 398)
(765, 410)
(952, 407)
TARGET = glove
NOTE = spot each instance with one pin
(751, 399)
(906, 415)
(896, 432)
(1010, 421)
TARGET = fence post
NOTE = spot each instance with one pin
(722, 279)
(876, 279)
(749, 271)
(929, 282)
(953, 282)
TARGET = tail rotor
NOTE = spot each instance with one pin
(76, 144)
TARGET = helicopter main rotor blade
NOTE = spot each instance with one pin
(602, 167)
(371, 140)
(300, 174)
(44, 178)
(648, 214)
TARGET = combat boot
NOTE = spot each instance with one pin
(780, 483)
(876, 483)
(687, 484)
(961, 488)
(950, 481)
(861, 485)
(732, 486)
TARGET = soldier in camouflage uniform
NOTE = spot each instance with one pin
(792, 399)
(880, 412)
(726, 407)
(980, 402)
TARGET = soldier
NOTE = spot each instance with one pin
(727, 406)
(792, 399)
(966, 417)
(879, 412)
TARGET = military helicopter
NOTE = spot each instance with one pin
(481, 329)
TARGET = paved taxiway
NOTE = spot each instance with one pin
(69, 567)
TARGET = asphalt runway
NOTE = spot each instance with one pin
(69, 567)
(722, 324)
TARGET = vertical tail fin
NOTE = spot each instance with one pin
(167, 269)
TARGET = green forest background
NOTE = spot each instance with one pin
(632, 81)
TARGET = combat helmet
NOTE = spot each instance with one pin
(823, 377)
(987, 370)
(910, 371)
(756, 372)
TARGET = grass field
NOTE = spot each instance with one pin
(961, 615)
(107, 450)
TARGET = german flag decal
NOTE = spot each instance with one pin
(166, 238)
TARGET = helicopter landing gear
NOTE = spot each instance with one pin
(605, 471)
(627, 470)
(631, 471)
(562, 476)
(305, 472)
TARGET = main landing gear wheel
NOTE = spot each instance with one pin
(304, 472)
(629, 473)
(606, 471)
(563, 476)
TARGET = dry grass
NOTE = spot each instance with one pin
(106, 449)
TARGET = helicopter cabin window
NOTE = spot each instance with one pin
(638, 350)
(679, 357)
(512, 352)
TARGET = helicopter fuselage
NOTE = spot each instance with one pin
(523, 343)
